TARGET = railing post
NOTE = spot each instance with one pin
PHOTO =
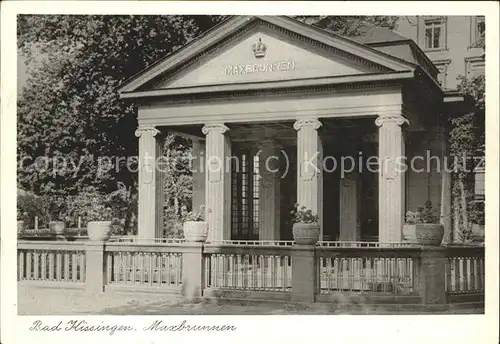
(95, 279)
(304, 273)
(192, 270)
(431, 275)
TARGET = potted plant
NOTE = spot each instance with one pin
(99, 223)
(195, 228)
(423, 227)
(22, 218)
(305, 226)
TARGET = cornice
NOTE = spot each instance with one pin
(277, 91)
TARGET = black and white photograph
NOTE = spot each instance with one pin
(248, 164)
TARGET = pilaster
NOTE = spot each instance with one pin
(218, 182)
(391, 177)
(349, 227)
(269, 191)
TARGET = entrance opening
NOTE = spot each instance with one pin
(369, 195)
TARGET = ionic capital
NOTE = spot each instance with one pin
(217, 128)
(314, 123)
(147, 130)
(395, 118)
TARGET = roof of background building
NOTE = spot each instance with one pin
(374, 34)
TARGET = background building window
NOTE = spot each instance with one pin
(479, 183)
(474, 66)
(442, 66)
(477, 31)
(435, 34)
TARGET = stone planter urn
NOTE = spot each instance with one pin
(306, 233)
(57, 227)
(196, 231)
(429, 233)
(21, 227)
(99, 230)
(409, 233)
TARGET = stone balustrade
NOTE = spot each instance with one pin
(370, 272)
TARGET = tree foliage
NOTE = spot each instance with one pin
(349, 25)
(70, 108)
(467, 139)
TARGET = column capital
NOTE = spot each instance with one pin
(391, 118)
(218, 128)
(314, 123)
(147, 130)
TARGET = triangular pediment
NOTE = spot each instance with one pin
(264, 49)
(277, 59)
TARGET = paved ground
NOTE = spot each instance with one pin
(44, 301)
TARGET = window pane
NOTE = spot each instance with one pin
(479, 183)
(480, 24)
(428, 38)
(437, 37)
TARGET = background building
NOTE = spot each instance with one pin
(447, 44)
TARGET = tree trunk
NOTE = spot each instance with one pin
(132, 196)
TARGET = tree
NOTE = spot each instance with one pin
(69, 113)
(467, 139)
(349, 25)
(70, 107)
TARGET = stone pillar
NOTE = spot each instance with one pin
(96, 271)
(431, 275)
(192, 270)
(218, 182)
(349, 226)
(391, 188)
(310, 168)
(269, 193)
(151, 177)
(199, 168)
(304, 273)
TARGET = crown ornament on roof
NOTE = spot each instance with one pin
(259, 49)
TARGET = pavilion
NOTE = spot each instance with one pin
(264, 99)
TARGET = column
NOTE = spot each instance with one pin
(445, 189)
(218, 182)
(391, 199)
(198, 168)
(310, 168)
(269, 191)
(151, 176)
